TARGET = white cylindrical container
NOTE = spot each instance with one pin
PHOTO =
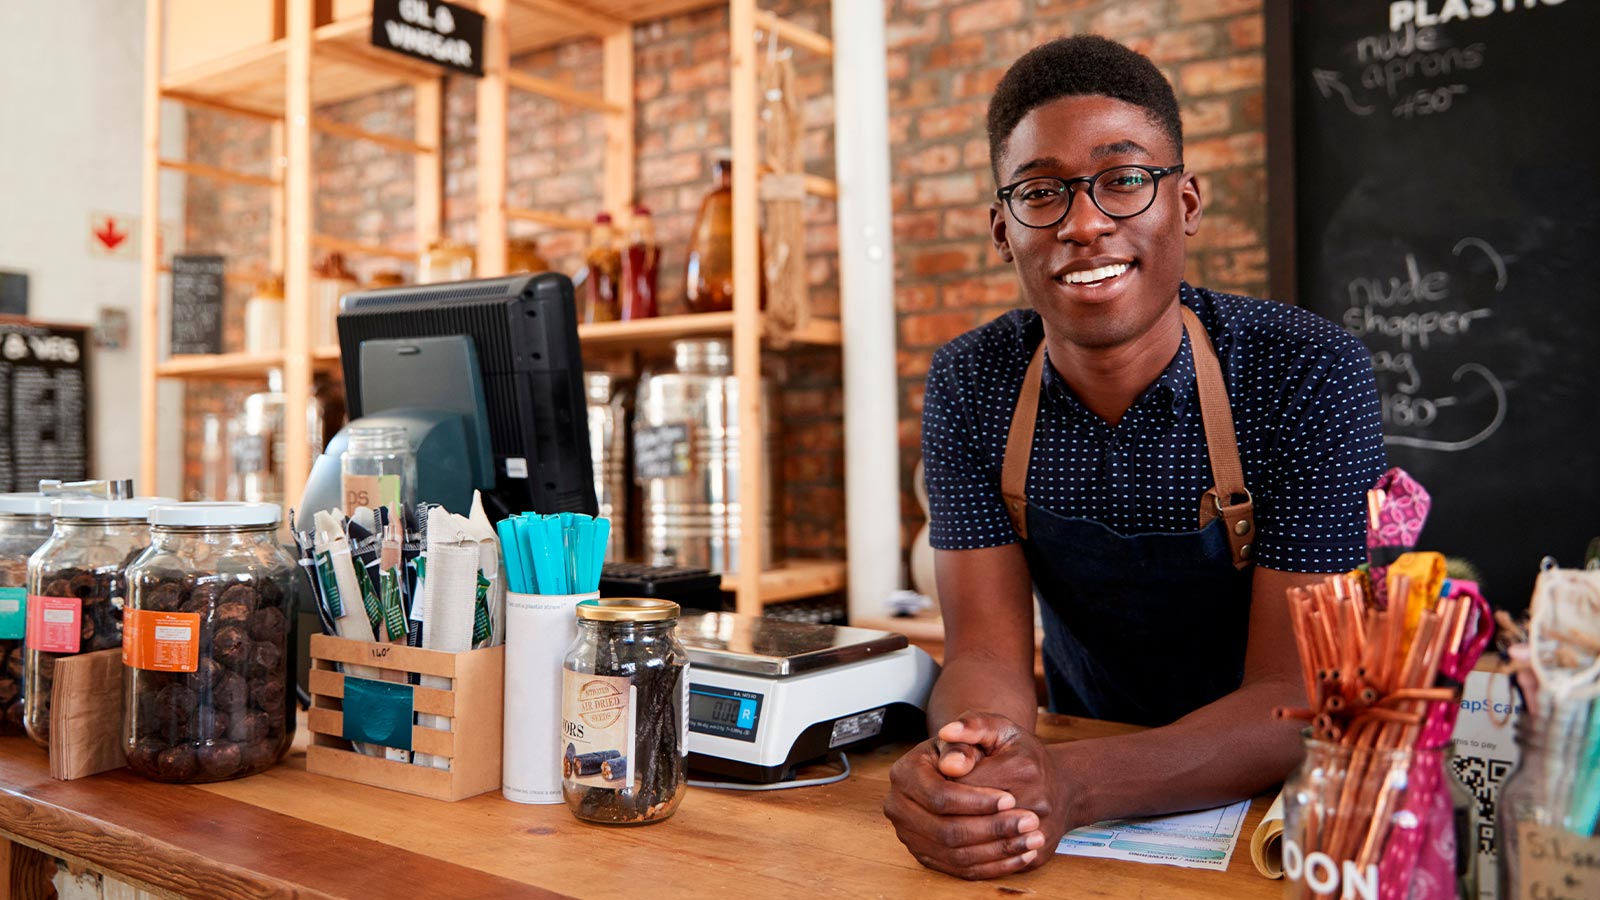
(539, 629)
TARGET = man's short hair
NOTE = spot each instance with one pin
(1075, 66)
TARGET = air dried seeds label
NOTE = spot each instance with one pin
(55, 624)
(13, 613)
(598, 719)
(161, 641)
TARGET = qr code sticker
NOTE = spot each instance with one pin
(1483, 777)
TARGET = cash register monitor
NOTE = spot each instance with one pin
(491, 374)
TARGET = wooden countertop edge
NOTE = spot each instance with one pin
(239, 850)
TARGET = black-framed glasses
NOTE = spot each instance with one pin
(1120, 192)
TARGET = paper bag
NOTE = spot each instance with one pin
(86, 715)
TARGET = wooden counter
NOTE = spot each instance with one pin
(286, 833)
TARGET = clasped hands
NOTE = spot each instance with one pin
(980, 800)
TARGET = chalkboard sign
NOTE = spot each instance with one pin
(1447, 188)
(44, 404)
(196, 304)
(660, 451)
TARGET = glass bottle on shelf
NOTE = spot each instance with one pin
(263, 317)
(330, 280)
(639, 266)
(386, 278)
(445, 261)
(708, 279)
(602, 273)
(522, 255)
(255, 443)
(378, 469)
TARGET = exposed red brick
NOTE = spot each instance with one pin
(1247, 32)
(1194, 10)
(1205, 117)
(956, 54)
(1226, 152)
(945, 190)
(943, 261)
(985, 15)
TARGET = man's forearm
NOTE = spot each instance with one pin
(986, 684)
(1225, 751)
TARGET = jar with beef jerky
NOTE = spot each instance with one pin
(207, 644)
(76, 589)
(24, 525)
(624, 704)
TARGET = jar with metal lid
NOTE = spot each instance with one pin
(207, 644)
(263, 317)
(624, 712)
(25, 523)
(1546, 814)
(76, 590)
(608, 454)
(446, 261)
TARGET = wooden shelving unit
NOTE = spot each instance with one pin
(284, 81)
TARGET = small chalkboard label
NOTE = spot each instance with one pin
(443, 34)
(196, 304)
(660, 451)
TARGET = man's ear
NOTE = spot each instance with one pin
(997, 231)
(1193, 204)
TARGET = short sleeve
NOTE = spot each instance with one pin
(963, 479)
(1312, 512)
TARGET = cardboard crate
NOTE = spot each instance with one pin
(473, 704)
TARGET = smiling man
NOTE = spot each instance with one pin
(1155, 463)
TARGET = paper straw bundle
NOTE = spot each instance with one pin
(552, 562)
(1383, 683)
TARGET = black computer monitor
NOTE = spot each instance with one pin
(523, 334)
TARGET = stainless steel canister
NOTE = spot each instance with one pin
(608, 451)
(686, 459)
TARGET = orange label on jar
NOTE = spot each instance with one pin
(161, 641)
(55, 624)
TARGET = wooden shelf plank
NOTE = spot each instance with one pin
(661, 328)
(199, 366)
(790, 33)
(553, 90)
(356, 248)
(553, 220)
(217, 174)
(797, 578)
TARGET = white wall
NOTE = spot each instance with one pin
(71, 100)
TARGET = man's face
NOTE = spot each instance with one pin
(1140, 259)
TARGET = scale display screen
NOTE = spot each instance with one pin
(724, 712)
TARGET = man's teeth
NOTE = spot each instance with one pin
(1089, 276)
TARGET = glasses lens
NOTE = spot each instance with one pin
(1124, 192)
(1040, 202)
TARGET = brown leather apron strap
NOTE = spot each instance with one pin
(1229, 498)
(1019, 445)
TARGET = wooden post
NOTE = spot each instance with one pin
(619, 126)
(276, 227)
(492, 97)
(429, 113)
(297, 256)
(747, 307)
(149, 249)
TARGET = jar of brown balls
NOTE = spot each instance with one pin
(76, 589)
(207, 644)
(25, 523)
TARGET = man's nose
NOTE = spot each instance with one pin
(1084, 221)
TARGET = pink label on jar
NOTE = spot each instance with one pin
(55, 624)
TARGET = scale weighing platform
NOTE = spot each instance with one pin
(767, 695)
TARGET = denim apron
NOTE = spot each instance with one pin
(1142, 628)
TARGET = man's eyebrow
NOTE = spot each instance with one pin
(1042, 162)
(1117, 148)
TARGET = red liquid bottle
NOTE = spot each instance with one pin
(639, 264)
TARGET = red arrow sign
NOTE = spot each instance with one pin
(109, 236)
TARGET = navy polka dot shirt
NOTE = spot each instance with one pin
(1305, 409)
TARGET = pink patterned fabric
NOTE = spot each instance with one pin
(1401, 513)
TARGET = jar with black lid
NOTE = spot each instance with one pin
(25, 524)
(76, 590)
(624, 705)
(207, 645)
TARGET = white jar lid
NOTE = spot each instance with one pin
(209, 514)
(100, 508)
(31, 504)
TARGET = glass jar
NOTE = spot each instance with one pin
(601, 282)
(378, 469)
(255, 443)
(76, 590)
(624, 711)
(445, 261)
(263, 318)
(207, 645)
(25, 524)
(1545, 805)
(522, 255)
(1363, 822)
(330, 281)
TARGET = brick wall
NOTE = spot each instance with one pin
(944, 58)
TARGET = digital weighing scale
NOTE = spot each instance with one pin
(767, 695)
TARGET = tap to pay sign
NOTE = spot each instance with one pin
(1410, 313)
